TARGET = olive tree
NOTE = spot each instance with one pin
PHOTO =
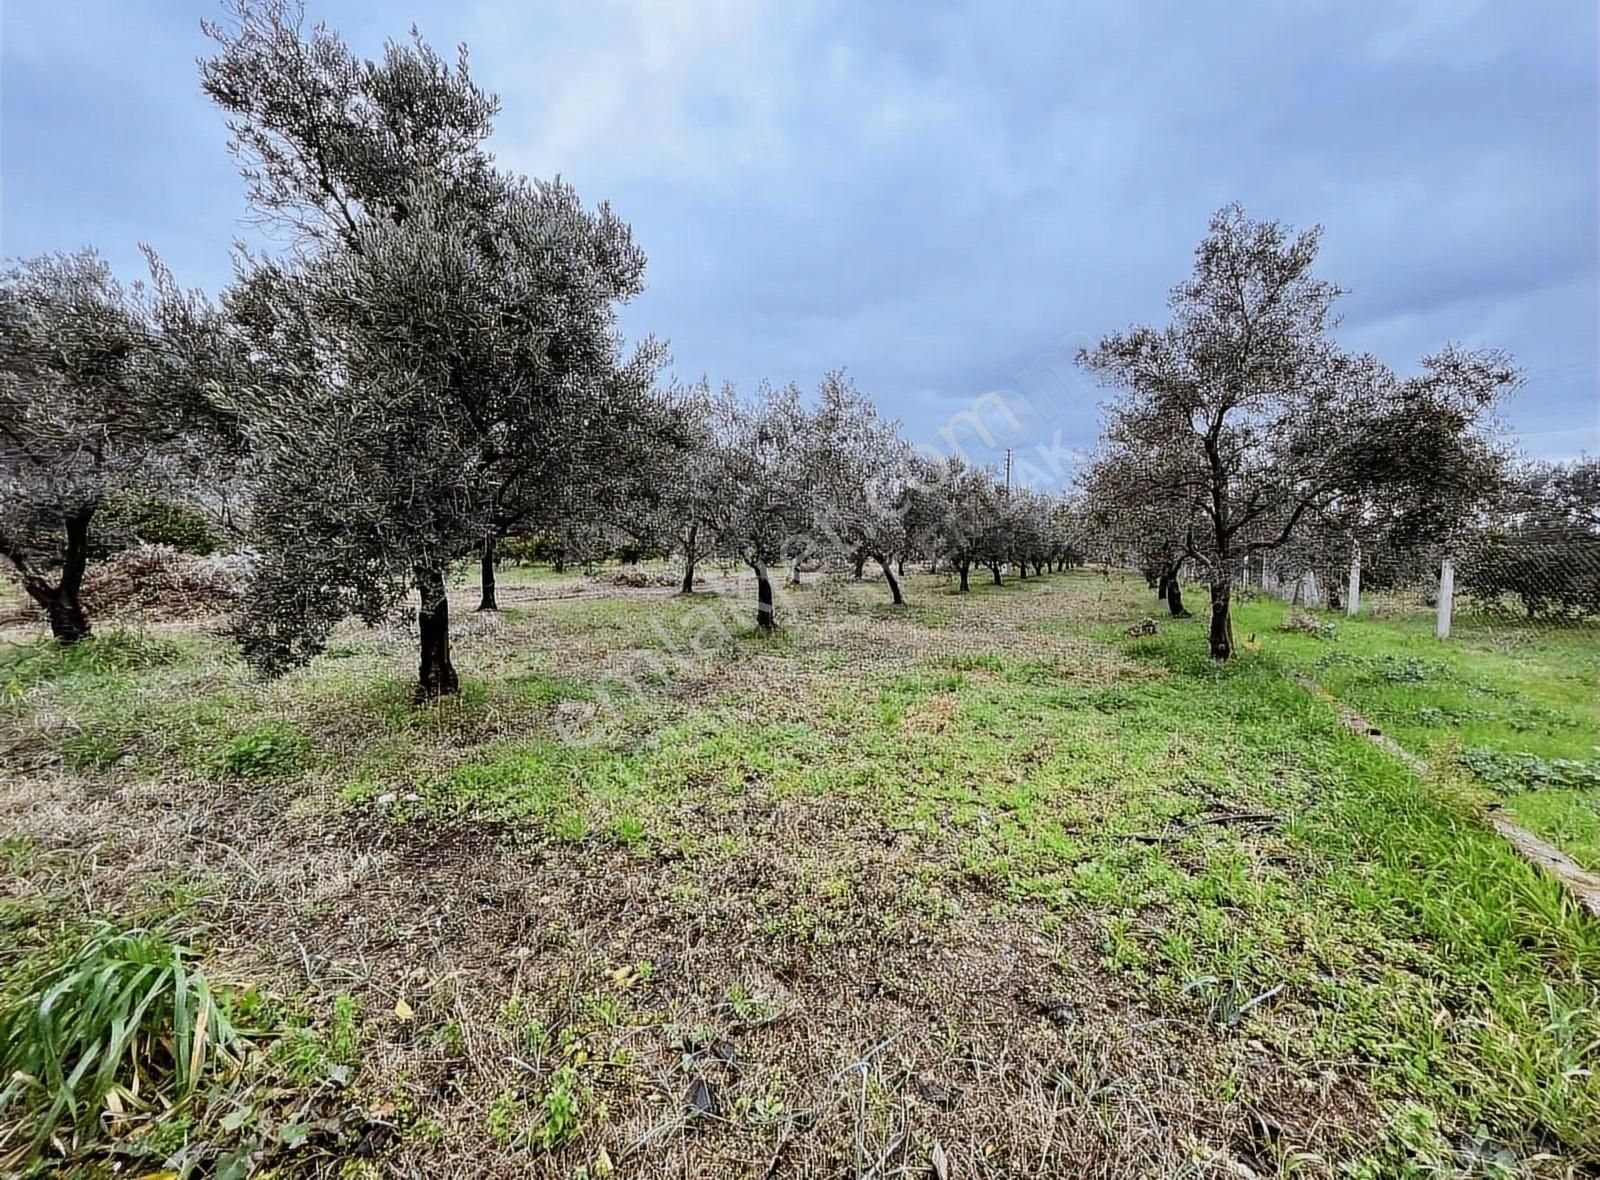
(437, 364)
(764, 503)
(452, 400)
(1261, 420)
(861, 466)
(104, 392)
(684, 503)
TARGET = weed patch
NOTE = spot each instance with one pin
(126, 1022)
(268, 751)
(24, 666)
(1506, 772)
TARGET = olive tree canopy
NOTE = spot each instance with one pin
(1244, 413)
(437, 363)
(765, 500)
(862, 471)
(104, 391)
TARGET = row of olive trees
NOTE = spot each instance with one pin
(439, 366)
(434, 365)
(434, 362)
(773, 482)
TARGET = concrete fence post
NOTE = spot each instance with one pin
(1447, 593)
(1353, 599)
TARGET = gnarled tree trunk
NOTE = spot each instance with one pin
(69, 622)
(964, 567)
(766, 614)
(1175, 599)
(1221, 621)
(995, 570)
(436, 675)
(894, 582)
(858, 565)
(487, 601)
(689, 559)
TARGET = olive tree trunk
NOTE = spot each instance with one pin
(1175, 599)
(766, 615)
(689, 559)
(894, 582)
(488, 602)
(1221, 620)
(69, 622)
(436, 675)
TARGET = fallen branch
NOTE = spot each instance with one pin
(1175, 830)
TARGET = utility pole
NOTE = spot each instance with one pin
(1008, 471)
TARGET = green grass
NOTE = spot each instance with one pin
(1399, 928)
(1499, 693)
(1212, 837)
(99, 659)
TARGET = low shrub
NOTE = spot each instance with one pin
(150, 520)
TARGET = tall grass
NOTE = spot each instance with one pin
(125, 1019)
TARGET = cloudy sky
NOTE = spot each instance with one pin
(932, 196)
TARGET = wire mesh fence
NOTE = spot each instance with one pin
(1522, 583)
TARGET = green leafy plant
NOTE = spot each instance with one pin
(310, 1051)
(1406, 669)
(1505, 771)
(561, 1108)
(94, 748)
(268, 751)
(128, 1012)
(504, 1118)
